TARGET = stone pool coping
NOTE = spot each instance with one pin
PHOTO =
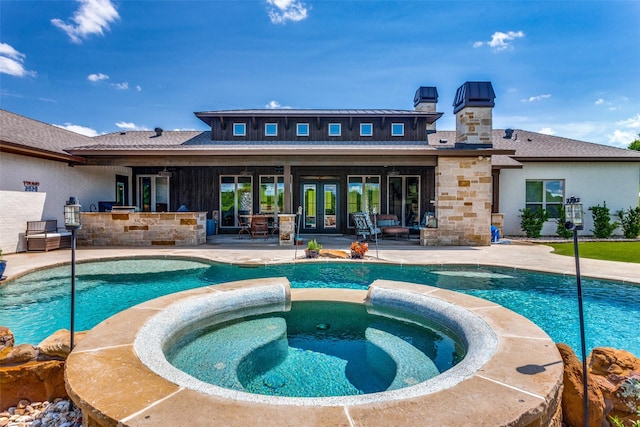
(520, 384)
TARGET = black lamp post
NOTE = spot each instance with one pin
(72, 222)
(573, 221)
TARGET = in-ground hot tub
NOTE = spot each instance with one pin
(511, 373)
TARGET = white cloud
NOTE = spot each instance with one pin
(547, 131)
(281, 11)
(500, 41)
(125, 125)
(275, 105)
(12, 62)
(78, 129)
(97, 77)
(121, 86)
(537, 98)
(631, 123)
(139, 88)
(92, 17)
(600, 101)
(622, 138)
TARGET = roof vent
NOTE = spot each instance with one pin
(123, 133)
(158, 131)
(508, 133)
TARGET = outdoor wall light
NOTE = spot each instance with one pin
(573, 214)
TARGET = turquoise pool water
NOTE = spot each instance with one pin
(36, 305)
(317, 349)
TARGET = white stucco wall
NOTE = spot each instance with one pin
(58, 182)
(593, 182)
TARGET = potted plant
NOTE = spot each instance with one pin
(313, 249)
(358, 249)
(3, 264)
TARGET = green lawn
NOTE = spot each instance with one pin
(609, 251)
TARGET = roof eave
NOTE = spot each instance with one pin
(7, 147)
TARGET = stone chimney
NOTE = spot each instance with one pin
(426, 99)
(473, 107)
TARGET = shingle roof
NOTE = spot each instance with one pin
(22, 131)
(533, 146)
(528, 146)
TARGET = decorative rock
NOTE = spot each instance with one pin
(61, 413)
(617, 373)
(331, 253)
(572, 395)
(16, 355)
(34, 381)
(6, 338)
(56, 345)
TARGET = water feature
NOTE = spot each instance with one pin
(36, 305)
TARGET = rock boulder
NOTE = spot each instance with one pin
(572, 395)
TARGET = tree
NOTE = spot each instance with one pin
(635, 145)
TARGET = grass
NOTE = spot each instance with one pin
(608, 251)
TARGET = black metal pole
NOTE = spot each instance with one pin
(73, 285)
(582, 335)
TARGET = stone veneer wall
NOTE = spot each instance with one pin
(474, 125)
(463, 192)
(143, 229)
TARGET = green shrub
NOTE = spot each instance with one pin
(532, 221)
(561, 230)
(602, 225)
(630, 221)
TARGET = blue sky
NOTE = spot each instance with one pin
(567, 68)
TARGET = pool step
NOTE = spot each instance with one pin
(245, 349)
(419, 369)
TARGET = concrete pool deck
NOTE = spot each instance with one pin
(230, 249)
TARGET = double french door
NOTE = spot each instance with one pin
(320, 210)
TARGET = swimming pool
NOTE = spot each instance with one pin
(36, 305)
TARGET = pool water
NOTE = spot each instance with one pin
(317, 349)
(36, 305)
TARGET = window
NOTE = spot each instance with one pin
(366, 129)
(153, 193)
(302, 129)
(397, 129)
(335, 129)
(239, 129)
(236, 198)
(364, 194)
(270, 129)
(545, 194)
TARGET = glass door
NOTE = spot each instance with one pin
(320, 207)
(404, 199)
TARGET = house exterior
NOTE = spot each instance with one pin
(331, 163)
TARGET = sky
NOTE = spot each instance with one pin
(565, 68)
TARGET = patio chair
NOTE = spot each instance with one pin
(364, 226)
(259, 226)
(243, 223)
